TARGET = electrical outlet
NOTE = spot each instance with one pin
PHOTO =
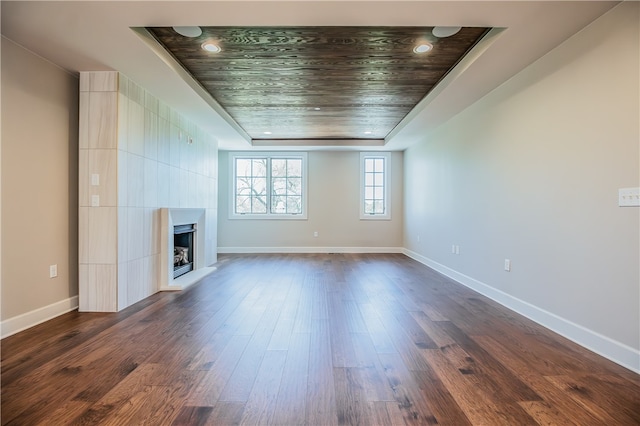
(315, 234)
(629, 197)
(457, 249)
(507, 265)
(53, 271)
(453, 249)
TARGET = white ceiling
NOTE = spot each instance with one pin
(96, 35)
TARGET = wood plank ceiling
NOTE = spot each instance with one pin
(318, 83)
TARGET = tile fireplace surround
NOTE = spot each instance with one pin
(137, 157)
(174, 217)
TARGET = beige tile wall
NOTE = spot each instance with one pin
(147, 157)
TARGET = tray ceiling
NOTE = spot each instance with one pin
(317, 83)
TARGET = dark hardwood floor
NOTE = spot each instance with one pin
(310, 339)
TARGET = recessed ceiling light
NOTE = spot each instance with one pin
(316, 109)
(423, 48)
(441, 32)
(368, 132)
(267, 133)
(188, 31)
(211, 46)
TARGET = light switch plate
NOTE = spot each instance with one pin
(95, 179)
(95, 201)
(629, 197)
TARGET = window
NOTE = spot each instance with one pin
(268, 185)
(374, 185)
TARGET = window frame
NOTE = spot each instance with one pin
(386, 180)
(269, 155)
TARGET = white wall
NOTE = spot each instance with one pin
(39, 188)
(334, 196)
(531, 173)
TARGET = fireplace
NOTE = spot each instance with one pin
(183, 249)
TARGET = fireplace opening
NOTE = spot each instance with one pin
(183, 249)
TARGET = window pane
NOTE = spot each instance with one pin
(294, 205)
(378, 207)
(378, 193)
(368, 192)
(278, 205)
(259, 204)
(243, 204)
(259, 186)
(279, 186)
(243, 187)
(259, 167)
(368, 165)
(279, 167)
(379, 165)
(295, 186)
(379, 179)
(294, 167)
(368, 179)
(243, 167)
(368, 206)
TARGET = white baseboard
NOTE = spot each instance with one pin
(242, 250)
(615, 351)
(29, 319)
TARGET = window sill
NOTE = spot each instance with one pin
(374, 217)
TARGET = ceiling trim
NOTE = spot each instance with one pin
(469, 58)
(176, 67)
(319, 142)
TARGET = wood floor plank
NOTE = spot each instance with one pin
(403, 342)
(414, 407)
(387, 413)
(521, 364)
(261, 403)
(593, 394)
(351, 403)
(304, 311)
(292, 393)
(375, 384)
(208, 390)
(477, 404)
(342, 349)
(434, 329)
(66, 414)
(316, 339)
(444, 407)
(378, 333)
(545, 414)
(241, 382)
(225, 413)
(286, 319)
(321, 397)
(192, 416)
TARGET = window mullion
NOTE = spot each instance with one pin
(269, 186)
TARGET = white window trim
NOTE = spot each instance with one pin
(268, 215)
(387, 189)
